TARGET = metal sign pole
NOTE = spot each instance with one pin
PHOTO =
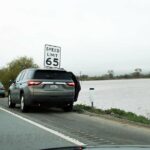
(91, 96)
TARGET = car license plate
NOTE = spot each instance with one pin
(53, 87)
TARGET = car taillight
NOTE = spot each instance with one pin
(71, 83)
(33, 83)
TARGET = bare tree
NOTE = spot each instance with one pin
(137, 72)
(111, 74)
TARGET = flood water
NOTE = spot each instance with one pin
(130, 95)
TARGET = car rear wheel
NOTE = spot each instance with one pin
(23, 106)
(68, 107)
(10, 103)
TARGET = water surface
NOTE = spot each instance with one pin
(130, 95)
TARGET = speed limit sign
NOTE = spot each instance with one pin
(52, 56)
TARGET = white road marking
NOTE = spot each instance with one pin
(67, 138)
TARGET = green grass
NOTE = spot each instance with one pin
(113, 112)
(81, 108)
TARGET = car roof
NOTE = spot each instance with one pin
(52, 69)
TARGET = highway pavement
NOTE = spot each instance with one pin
(34, 130)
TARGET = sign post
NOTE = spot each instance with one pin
(52, 56)
(91, 97)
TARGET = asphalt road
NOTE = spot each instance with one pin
(16, 134)
(87, 129)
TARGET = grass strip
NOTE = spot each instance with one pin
(113, 112)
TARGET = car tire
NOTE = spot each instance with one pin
(10, 103)
(68, 107)
(23, 106)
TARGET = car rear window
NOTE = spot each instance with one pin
(49, 74)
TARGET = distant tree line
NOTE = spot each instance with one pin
(137, 73)
(12, 69)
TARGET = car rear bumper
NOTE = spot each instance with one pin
(51, 100)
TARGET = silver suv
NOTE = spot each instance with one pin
(47, 87)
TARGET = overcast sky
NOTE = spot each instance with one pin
(95, 35)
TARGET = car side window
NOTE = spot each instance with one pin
(22, 75)
(27, 75)
(19, 77)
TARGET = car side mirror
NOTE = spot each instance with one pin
(12, 81)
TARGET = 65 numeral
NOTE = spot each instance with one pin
(50, 62)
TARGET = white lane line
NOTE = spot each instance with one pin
(67, 138)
